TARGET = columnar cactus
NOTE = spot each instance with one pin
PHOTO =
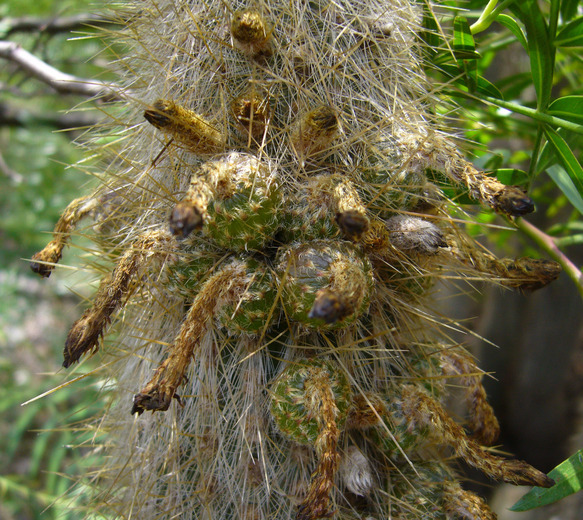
(274, 234)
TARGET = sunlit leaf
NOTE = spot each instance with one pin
(568, 478)
(464, 47)
(571, 35)
(511, 24)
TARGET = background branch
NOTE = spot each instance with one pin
(60, 81)
(13, 175)
(52, 25)
(547, 243)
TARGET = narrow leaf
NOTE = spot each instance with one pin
(547, 156)
(568, 478)
(540, 50)
(571, 35)
(563, 181)
(471, 74)
(511, 24)
(566, 157)
(430, 33)
(571, 240)
(483, 86)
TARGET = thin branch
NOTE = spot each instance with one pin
(13, 175)
(51, 25)
(60, 81)
(548, 244)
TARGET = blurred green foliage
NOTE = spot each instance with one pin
(32, 144)
(41, 457)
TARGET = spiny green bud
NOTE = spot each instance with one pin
(251, 310)
(293, 406)
(234, 199)
(191, 268)
(326, 284)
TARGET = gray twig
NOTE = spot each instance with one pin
(51, 25)
(60, 81)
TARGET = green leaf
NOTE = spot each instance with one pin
(569, 9)
(572, 240)
(568, 476)
(547, 156)
(563, 181)
(471, 74)
(511, 176)
(430, 33)
(566, 157)
(511, 24)
(569, 108)
(571, 35)
(540, 49)
(483, 86)
(489, 89)
(464, 47)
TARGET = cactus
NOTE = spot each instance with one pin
(275, 231)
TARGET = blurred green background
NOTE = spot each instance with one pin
(40, 455)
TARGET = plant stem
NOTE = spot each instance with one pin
(489, 15)
(535, 114)
(548, 243)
